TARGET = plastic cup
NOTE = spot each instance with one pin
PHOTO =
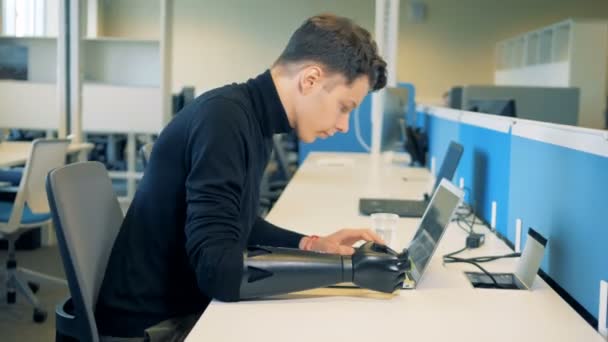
(385, 225)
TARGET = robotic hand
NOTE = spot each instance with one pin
(271, 271)
(378, 267)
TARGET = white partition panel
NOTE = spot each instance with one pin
(28, 105)
(112, 108)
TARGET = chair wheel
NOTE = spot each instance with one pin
(11, 297)
(33, 286)
(39, 315)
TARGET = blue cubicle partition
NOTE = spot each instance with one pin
(552, 177)
(348, 142)
(442, 127)
(484, 165)
(562, 192)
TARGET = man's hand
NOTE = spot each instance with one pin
(340, 242)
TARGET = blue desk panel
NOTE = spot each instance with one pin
(563, 194)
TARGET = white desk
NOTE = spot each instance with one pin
(14, 153)
(321, 199)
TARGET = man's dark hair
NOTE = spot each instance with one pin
(338, 44)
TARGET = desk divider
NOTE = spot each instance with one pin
(547, 176)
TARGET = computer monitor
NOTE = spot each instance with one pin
(500, 107)
(394, 106)
(450, 163)
(455, 97)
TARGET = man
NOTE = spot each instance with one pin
(195, 211)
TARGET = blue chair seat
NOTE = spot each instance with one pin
(6, 208)
(12, 176)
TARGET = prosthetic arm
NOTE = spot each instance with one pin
(272, 271)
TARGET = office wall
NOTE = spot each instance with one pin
(131, 18)
(219, 42)
(216, 42)
(455, 45)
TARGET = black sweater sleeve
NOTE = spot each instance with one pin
(214, 188)
(265, 233)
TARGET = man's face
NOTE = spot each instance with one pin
(324, 103)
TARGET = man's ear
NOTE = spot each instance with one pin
(310, 78)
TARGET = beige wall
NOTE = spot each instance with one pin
(217, 42)
(455, 45)
(129, 18)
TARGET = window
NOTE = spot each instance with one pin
(24, 17)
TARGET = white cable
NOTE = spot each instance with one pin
(358, 131)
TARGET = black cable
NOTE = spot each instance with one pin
(482, 259)
(459, 223)
(450, 255)
(479, 267)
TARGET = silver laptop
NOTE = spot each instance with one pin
(435, 220)
(527, 267)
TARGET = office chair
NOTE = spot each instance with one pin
(9, 183)
(86, 228)
(30, 210)
(146, 152)
(11, 176)
(271, 189)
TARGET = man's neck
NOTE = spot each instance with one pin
(283, 86)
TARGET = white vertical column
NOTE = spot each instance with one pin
(131, 162)
(166, 85)
(76, 29)
(92, 19)
(386, 34)
(518, 229)
(62, 62)
(602, 324)
(2, 17)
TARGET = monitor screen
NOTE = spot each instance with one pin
(394, 105)
(432, 226)
(450, 163)
(495, 106)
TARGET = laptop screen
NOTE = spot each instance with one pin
(450, 163)
(438, 214)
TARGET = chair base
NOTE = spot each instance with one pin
(26, 282)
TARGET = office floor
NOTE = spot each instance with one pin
(16, 319)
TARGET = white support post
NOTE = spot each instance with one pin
(92, 19)
(62, 62)
(601, 321)
(386, 34)
(131, 159)
(166, 25)
(76, 29)
(518, 229)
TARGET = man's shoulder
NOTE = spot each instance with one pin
(229, 95)
(227, 104)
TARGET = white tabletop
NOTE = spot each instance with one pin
(323, 197)
(14, 153)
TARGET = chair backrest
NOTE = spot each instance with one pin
(146, 152)
(45, 155)
(281, 154)
(87, 218)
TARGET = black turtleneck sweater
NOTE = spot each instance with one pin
(195, 211)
